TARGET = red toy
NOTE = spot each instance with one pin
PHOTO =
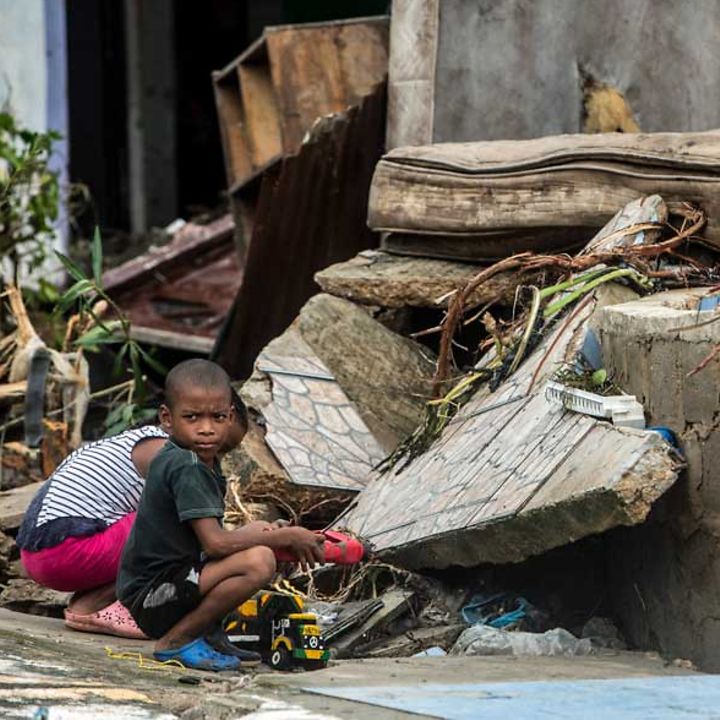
(340, 549)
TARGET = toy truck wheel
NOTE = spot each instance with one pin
(280, 658)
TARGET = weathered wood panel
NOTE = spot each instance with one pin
(311, 212)
(262, 124)
(323, 68)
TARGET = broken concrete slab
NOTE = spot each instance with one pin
(255, 476)
(667, 566)
(388, 377)
(334, 393)
(513, 476)
(378, 278)
(314, 430)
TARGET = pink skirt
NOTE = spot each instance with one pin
(80, 563)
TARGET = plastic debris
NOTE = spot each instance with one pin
(623, 410)
(486, 640)
(434, 651)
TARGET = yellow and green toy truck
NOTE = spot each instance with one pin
(274, 624)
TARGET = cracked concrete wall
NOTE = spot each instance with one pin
(463, 70)
(667, 572)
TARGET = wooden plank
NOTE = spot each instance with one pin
(187, 243)
(14, 503)
(262, 122)
(321, 70)
(232, 131)
(172, 340)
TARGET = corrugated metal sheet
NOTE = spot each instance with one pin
(311, 213)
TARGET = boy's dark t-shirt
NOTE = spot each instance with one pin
(179, 488)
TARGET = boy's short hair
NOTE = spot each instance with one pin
(196, 373)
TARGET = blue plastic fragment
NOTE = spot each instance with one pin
(479, 610)
(669, 436)
(591, 350)
(709, 302)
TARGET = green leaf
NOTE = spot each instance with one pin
(73, 293)
(74, 271)
(155, 364)
(96, 253)
(144, 414)
(48, 292)
(136, 367)
(599, 377)
(98, 335)
(127, 413)
(118, 366)
(114, 415)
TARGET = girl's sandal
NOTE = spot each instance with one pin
(115, 619)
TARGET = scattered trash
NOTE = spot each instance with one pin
(505, 611)
(623, 410)
(485, 640)
(433, 651)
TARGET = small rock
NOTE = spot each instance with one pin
(603, 632)
(29, 597)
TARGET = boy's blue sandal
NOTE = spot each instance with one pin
(198, 655)
(218, 640)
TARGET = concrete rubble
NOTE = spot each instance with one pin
(666, 568)
(514, 476)
(392, 281)
(324, 414)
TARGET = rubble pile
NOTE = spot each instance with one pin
(458, 397)
(496, 469)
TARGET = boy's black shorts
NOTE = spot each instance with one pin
(170, 597)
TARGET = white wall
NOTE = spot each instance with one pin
(33, 82)
(23, 70)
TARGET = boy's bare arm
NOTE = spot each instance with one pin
(218, 543)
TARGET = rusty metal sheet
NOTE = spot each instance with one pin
(311, 213)
(179, 294)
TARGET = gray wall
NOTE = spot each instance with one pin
(510, 68)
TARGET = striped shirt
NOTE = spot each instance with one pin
(94, 487)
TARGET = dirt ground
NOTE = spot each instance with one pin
(73, 675)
